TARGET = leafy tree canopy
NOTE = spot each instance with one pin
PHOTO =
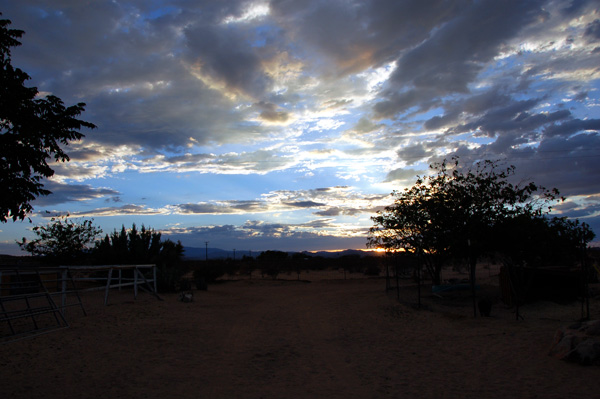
(32, 131)
(457, 213)
(135, 246)
(272, 256)
(143, 246)
(63, 240)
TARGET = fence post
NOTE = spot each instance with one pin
(108, 281)
(154, 277)
(135, 282)
(63, 290)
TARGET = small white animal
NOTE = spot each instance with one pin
(186, 297)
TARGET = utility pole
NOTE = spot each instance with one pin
(234, 254)
(206, 246)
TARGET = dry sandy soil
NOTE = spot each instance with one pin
(292, 339)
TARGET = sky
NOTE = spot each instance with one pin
(257, 125)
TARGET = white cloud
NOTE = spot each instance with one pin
(281, 97)
(253, 11)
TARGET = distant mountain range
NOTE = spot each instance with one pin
(217, 253)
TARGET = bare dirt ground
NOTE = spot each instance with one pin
(292, 339)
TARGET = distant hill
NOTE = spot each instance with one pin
(337, 254)
(201, 253)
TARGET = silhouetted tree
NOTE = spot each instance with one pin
(452, 213)
(143, 246)
(541, 241)
(525, 244)
(272, 262)
(247, 265)
(137, 246)
(297, 262)
(63, 240)
(32, 131)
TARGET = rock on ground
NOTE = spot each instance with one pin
(578, 343)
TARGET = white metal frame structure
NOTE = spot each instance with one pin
(27, 304)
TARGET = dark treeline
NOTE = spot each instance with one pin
(275, 264)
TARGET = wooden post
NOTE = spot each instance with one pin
(585, 297)
(63, 291)
(108, 280)
(135, 282)
(397, 277)
(387, 272)
(419, 259)
(154, 278)
(472, 267)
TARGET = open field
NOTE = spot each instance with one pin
(292, 339)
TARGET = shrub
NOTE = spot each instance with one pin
(210, 271)
(372, 270)
(168, 277)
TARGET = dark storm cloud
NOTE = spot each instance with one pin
(355, 35)
(129, 209)
(65, 193)
(256, 236)
(332, 211)
(205, 208)
(398, 102)
(224, 207)
(270, 113)
(304, 204)
(242, 207)
(180, 110)
(509, 116)
(126, 59)
(226, 53)
(413, 153)
(190, 159)
(365, 125)
(261, 161)
(274, 116)
(570, 164)
(333, 104)
(342, 211)
(402, 175)
(452, 57)
(474, 105)
(514, 126)
(197, 87)
(575, 210)
(253, 233)
(572, 127)
(290, 201)
(592, 32)
(328, 27)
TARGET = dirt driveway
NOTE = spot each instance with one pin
(270, 339)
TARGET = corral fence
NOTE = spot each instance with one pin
(34, 299)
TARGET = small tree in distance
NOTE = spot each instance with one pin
(143, 246)
(272, 262)
(130, 246)
(63, 240)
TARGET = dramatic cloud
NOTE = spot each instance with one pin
(280, 124)
(71, 193)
